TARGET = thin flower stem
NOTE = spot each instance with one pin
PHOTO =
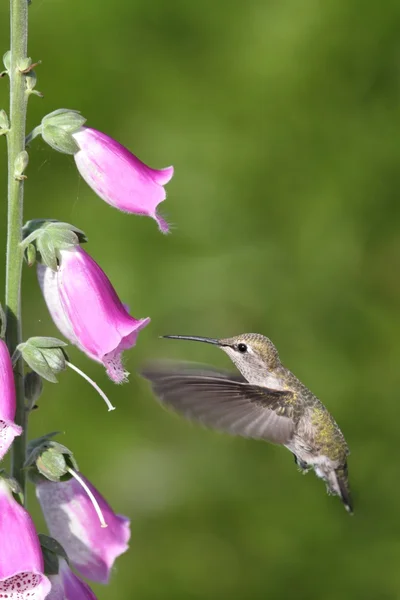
(91, 496)
(93, 384)
(34, 133)
(16, 144)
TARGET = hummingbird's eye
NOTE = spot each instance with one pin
(242, 348)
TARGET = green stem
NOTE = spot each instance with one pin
(16, 144)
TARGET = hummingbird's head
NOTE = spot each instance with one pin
(253, 354)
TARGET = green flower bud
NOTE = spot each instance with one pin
(4, 122)
(7, 60)
(33, 384)
(24, 64)
(21, 162)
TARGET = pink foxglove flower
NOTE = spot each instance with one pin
(118, 177)
(21, 559)
(68, 586)
(8, 429)
(73, 520)
(87, 310)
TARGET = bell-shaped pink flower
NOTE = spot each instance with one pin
(68, 586)
(8, 429)
(118, 177)
(87, 310)
(72, 516)
(21, 559)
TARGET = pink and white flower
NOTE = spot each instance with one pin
(119, 177)
(73, 520)
(8, 429)
(68, 586)
(21, 558)
(86, 309)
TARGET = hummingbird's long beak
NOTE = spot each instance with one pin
(193, 338)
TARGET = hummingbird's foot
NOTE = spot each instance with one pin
(303, 467)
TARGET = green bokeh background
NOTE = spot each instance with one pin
(281, 119)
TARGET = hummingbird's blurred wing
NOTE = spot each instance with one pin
(223, 401)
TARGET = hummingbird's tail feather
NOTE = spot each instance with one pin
(337, 482)
(344, 489)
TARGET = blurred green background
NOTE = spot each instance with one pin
(281, 119)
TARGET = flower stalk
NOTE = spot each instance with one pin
(16, 146)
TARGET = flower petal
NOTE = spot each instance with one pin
(72, 520)
(119, 177)
(86, 309)
(68, 586)
(8, 429)
(21, 559)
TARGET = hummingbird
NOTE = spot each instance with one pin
(266, 401)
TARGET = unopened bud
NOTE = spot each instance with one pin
(24, 64)
(33, 388)
(7, 60)
(31, 81)
(4, 122)
(21, 162)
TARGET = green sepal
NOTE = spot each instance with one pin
(50, 460)
(59, 140)
(3, 323)
(34, 226)
(24, 64)
(7, 60)
(11, 482)
(66, 119)
(4, 122)
(13, 485)
(49, 237)
(31, 81)
(20, 164)
(33, 386)
(58, 128)
(30, 254)
(52, 551)
(45, 356)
